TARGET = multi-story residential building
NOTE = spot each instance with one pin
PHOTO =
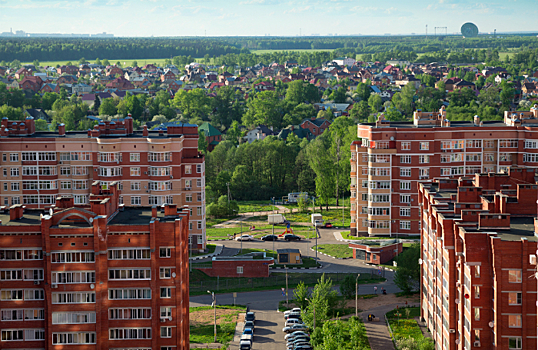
(478, 260)
(102, 276)
(151, 167)
(392, 157)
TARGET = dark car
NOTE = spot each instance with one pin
(250, 316)
(270, 238)
(290, 237)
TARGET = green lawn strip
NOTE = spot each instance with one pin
(225, 330)
(268, 253)
(404, 326)
(200, 283)
(335, 250)
(210, 222)
(210, 250)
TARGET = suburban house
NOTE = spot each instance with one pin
(121, 84)
(38, 113)
(112, 71)
(81, 88)
(22, 72)
(48, 87)
(316, 125)
(258, 133)
(263, 86)
(299, 132)
(67, 70)
(212, 135)
(31, 83)
(344, 61)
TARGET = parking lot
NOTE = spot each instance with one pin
(268, 334)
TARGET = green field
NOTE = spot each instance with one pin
(128, 62)
(336, 250)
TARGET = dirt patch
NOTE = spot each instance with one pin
(204, 317)
(380, 300)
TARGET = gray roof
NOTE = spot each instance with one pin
(284, 251)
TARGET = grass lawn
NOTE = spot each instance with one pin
(336, 250)
(128, 61)
(210, 250)
(214, 221)
(333, 215)
(404, 325)
(268, 253)
(201, 323)
(254, 206)
(258, 232)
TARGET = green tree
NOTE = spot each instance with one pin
(360, 111)
(108, 107)
(202, 142)
(194, 104)
(96, 103)
(41, 125)
(106, 63)
(364, 91)
(264, 109)
(407, 276)
(375, 102)
(226, 107)
(338, 95)
(301, 293)
(404, 100)
(461, 97)
(347, 287)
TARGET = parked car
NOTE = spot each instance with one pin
(248, 331)
(295, 309)
(292, 315)
(295, 327)
(295, 334)
(250, 316)
(292, 321)
(249, 324)
(270, 238)
(290, 237)
(328, 225)
(244, 238)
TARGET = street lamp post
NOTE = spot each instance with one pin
(241, 234)
(287, 301)
(357, 295)
(215, 314)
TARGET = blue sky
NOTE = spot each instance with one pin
(263, 17)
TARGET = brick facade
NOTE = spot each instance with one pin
(239, 267)
(375, 254)
(101, 276)
(478, 234)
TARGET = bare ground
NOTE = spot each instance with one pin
(207, 317)
(380, 300)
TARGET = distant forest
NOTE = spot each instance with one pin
(63, 49)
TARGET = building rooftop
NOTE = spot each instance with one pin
(454, 124)
(31, 217)
(139, 216)
(519, 227)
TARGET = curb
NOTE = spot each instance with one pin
(297, 268)
(215, 253)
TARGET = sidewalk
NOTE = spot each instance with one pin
(218, 251)
(377, 331)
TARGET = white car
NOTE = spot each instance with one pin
(244, 238)
(295, 309)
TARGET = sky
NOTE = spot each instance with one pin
(263, 17)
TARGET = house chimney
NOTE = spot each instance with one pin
(145, 131)
(154, 212)
(61, 129)
(16, 212)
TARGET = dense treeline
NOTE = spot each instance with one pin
(58, 49)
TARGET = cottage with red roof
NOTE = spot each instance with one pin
(31, 83)
(121, 84)
(316, 125)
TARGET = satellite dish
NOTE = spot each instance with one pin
(469, 30)
(92, 286)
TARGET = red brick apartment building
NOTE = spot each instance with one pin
(100, 276)
(478, 242)
(390, 159)
(151, 167)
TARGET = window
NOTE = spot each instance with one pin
(73, 338)
(73, 277)
(13, 157)
(73, 317)
(15, 200)
(514, 321)
(4, 157)
(473, 157)
(73, 298)
(129, 254)
(239, 270)
(136, 200)
(135, 186)
(505, 157)
(188, 197)
(514, 276)
(160, 185)
(476, 313)
(80, 199)
(159, 171)
(14, 172)
(405, 198)
(406, 146)
(514, 343)
(405, 172)
(129, 314)
(405, 225)
(424, 146)
(135, 171)
(72, 257)
(405, 159)
(159, 157)
(188, 169)
(198, 168)
(129, 294)
(379, 198)
(424, 173)
(79, 170)
(165, 252)
(15, 186)
(65, 185)
(477, 271)
(473, 144)
(130, 333)
(508, 143)
(405, 185)
(199, 211)
(166, 311)
(165, 272)
(198, 182)
(514, 298)
(166, 332)
(405, 211)
(12, 335)
(129, 274)
(477, 335)
(477, 292)
(166, 292)
(423, 159)
(134, 157)
(376, 211)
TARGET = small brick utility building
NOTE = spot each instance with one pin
(376, 253)
(239, 266)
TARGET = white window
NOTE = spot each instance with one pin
(199, 211)
(136, 200)
(15, 186)
(405, 172)
(405, 185)
(166, 292)
(73, 277)
(73, 338)
(423, 159)
(29, 156)
(159, 157)
(13, 157)
(80, 199)
(34, 294)
(514, 343)
(239, 270)
(34, 334)
(405, 159)
(424, 146)
(188, 197)
(165, 252)
(73, 298)
(165, 272)
(72, 257)
(198, 168)
(14, 172)
(405, 211)
(135, 171)
(129, 333)
(405, 225)
(514, 321)
(65, 185)
(159, 171)
(73, 317)
(166, 311)
(198, 182)
(424, 173)
(476, 311)
(166, 332)
(135, 186)
(508, 143)
(129, 274)
(12, 335)
(129, 294)
(406, 146)
(188, 169)
(29, 170)
(129, 254)
(405, 198)
(112, 171)
(143, 313)
(514, 276)
(134, 157)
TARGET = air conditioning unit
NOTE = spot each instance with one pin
(163, 319)
(54, 286)
(457, 301)
(476, 343)
(451, 331)
(145, 172)
(60, 162)
(37, 283)
(458, 284)
(532, 259)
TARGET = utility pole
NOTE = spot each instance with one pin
(357, 295)
(228, 186)
(343, 207)
(215, 314)
(287, 300)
